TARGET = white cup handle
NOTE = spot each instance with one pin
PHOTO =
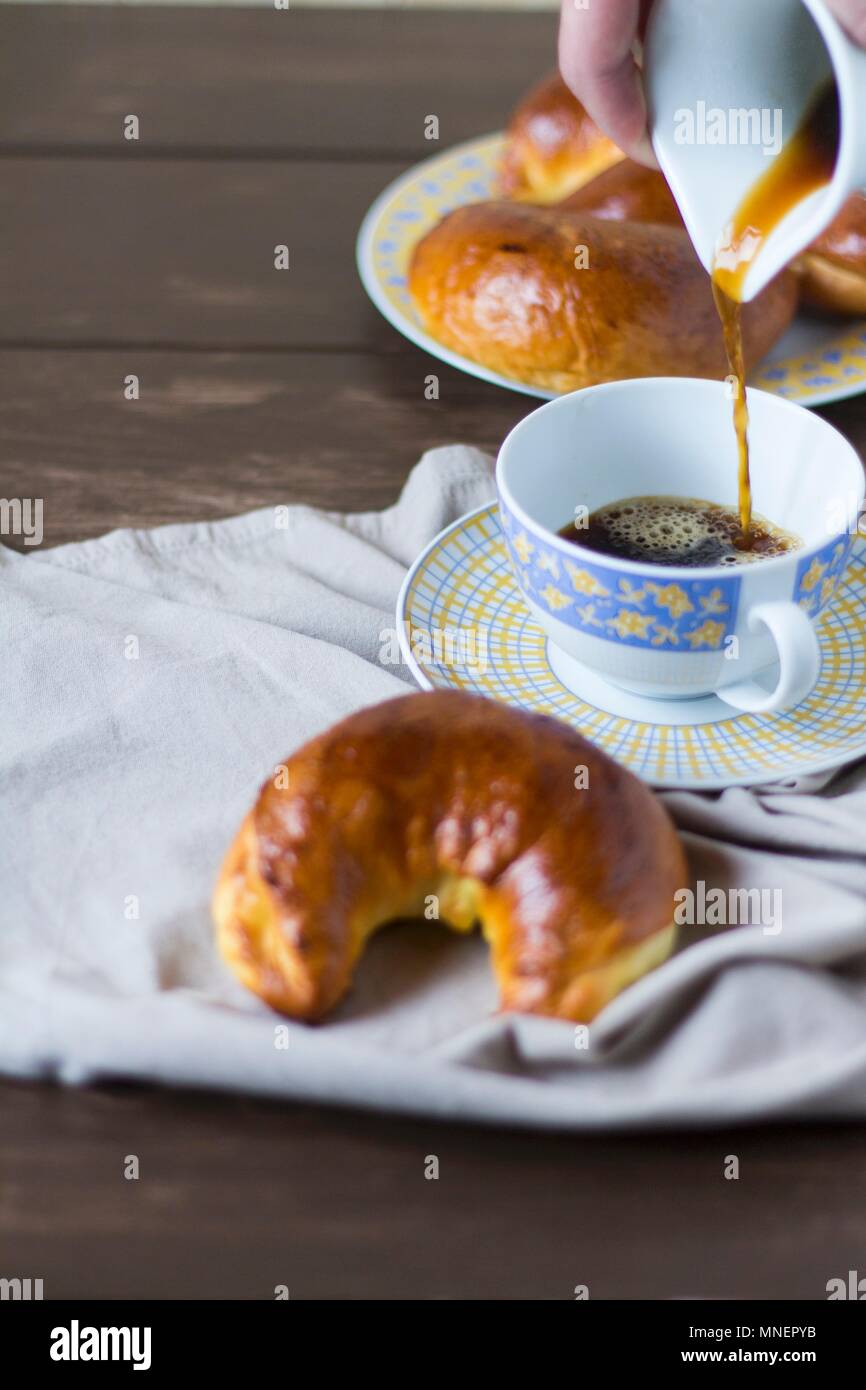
(799, 658)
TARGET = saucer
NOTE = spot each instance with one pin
(463, 625)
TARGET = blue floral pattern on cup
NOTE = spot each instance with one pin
(818, 574)
(620, 605)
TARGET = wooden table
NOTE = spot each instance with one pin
(155, 258)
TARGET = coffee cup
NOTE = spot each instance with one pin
(745, 633)
(727, 85)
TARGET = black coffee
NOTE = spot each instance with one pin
(680, 531)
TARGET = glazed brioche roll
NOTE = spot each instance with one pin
(451, 799)
(553, 146)
(627, 193)
(834, 267)
(557, 300)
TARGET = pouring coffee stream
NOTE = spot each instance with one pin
(805, 164)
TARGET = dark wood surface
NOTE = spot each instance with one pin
(219, 433)
(220, 82)
(235, 1197)
(260, 127)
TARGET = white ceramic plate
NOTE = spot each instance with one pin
(816, 362)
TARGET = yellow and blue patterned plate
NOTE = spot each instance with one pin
(463, 625)
(816, 362)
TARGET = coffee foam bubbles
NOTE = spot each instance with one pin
(683, 532)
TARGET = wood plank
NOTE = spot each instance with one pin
(212, 435)
(262, 79)
(145, 251)
(236, 1196)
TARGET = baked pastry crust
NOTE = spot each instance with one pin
(451, 799)
(628, 192)
(834, 267)
(552, 146)
(499, 283)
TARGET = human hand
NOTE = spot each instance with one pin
(597, 44)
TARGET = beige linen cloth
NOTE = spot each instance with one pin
(152, 680)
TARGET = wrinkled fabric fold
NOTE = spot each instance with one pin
(152, 680)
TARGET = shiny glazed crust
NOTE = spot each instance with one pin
(627, 193)
(497, 282)
(451, 797)
(834, 267)
(553, 147)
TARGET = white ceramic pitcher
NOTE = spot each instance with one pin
(712, 62)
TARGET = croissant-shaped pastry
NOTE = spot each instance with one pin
(494, 815)
(555, 299)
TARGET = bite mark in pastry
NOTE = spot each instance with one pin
(451, 798)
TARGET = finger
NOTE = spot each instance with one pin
(851, 14)
(597, 62)
(645, 7)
